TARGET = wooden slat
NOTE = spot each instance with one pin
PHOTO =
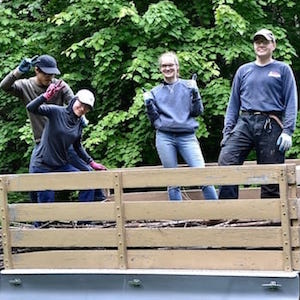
(228, 175)
(296, 259)
(80, 259)
(59, 181)
(262, 237)
(285, 221)
(206, 259)
(153, 259)
(120, 221)
(256, 209)
(6, 242)
(77, 237)
(78, 211)
(151, 210)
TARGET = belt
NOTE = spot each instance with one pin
(275, 115)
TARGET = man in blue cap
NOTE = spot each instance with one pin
(27, 89)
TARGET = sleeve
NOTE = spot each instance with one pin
(8, 84)
(291, 100)
(81, 151)
(36, 106)
(197, 105)
(152, 111)
(233, 108)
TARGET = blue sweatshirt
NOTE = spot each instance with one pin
(62, 130)
(269, 88)
(173, 108)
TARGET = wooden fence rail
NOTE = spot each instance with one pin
(244, 234)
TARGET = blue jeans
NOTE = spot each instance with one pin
(168, 144)
(76, 162)
(48, 196)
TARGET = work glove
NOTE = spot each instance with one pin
(27, 63)
(148, 97)
(192, 84)
(52, 90)
(97, 167)
(284, 142)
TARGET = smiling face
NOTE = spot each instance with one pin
(169, 67)
(263, 48)
(80, 108)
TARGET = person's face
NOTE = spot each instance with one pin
(80, 108)
(263, 48)
(43, 78)
(168, 67)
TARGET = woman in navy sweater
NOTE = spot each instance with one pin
(63, 129)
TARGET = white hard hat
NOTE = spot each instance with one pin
(87, 97)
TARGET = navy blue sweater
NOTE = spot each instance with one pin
(269, 88)
(62, 130)
(174, 108)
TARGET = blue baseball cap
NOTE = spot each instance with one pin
(47, 64)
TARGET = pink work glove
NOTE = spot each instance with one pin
(97, 167)
(53, 89)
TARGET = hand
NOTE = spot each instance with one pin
(284, 142)
(148, 97)
(192, 84)
(26, 64)
(97, 167)
(52, 90)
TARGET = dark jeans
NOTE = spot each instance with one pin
(76, 162)
(252, 131)
(48, 196)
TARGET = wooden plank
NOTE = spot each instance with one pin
(59, 181)
(256, 174)
(262, 237)
(80, 259)
(285, 221)
(120, 221)
(206, 259)
(258, 237)
(76, 237)
(154, 237)
(151, 210)
(254, 209)
(71, 211)
(153, 259)
(296, 259)
(6, 241)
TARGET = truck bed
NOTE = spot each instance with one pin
(139, 244)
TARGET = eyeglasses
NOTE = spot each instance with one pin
(164, 66)
(262, 41)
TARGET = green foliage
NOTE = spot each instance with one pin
(112, 47)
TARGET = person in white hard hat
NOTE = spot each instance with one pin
(63, 129)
